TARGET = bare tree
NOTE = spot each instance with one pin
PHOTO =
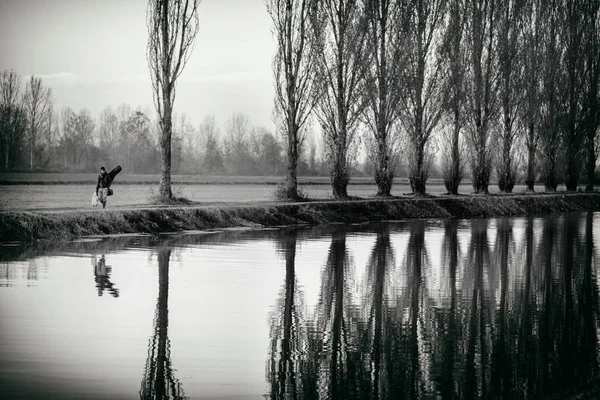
(185, 135)
(454, 55)
(481, 89)
(572, 36)
(384, 27)
(139, 143)
(551, 86)
(293, 67)
(108, 133)
(172, 28)
(510, 15)
(38, 107)
(422, 104)
(77, 138)
(266, 152)
(341, 58)
(531, 59)
(12, 116)
(237, 143)
(49, 136)
(213, 152)
(592, 101)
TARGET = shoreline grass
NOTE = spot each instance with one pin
(23, 226)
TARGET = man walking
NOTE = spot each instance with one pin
(104, 182)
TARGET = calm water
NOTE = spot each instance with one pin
(485, 308)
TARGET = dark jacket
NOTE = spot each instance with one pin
(104, 181)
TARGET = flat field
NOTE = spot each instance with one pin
(13, 178)
(74, 191)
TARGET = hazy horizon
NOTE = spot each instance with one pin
(93, 55)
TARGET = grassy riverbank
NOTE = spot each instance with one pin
(65, 225)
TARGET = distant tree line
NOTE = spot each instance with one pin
(35, 137)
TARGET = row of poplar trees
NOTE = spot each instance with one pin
(478, 81)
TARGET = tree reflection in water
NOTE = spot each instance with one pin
(379, 349)
(516, 318)
(447, 317)
(289, 371)
(336, 326)
(159, 381)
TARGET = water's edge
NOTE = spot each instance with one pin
(66, 225)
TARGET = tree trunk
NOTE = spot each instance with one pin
(480, 169)
(417, 178)
(292, 175)
(416, 171)
(550, 182)
(591, 160)
(340, 176)
(452, 182)
(456, 154)
(339, 179)
(383, 176)
(573, 167)
(166, 124)
(530, 180)
(164, 190)
(506, 180)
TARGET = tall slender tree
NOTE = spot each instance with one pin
(481, 89)
(293, 67)
(572, 30)
(39, 109)
(237, 143)
(77, 139)
(422, 104)
(340, 30)
(384, 43)
(531, 59)
(172, 28)
(454, 56)
(108, 133)
(213, 152)
(510, 15)
(12, 117)
(592, 99)
(551, 86)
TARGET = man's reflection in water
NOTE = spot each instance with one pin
(102, 277)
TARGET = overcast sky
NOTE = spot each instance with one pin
(92, 53)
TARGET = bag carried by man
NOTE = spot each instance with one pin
(112, 175)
